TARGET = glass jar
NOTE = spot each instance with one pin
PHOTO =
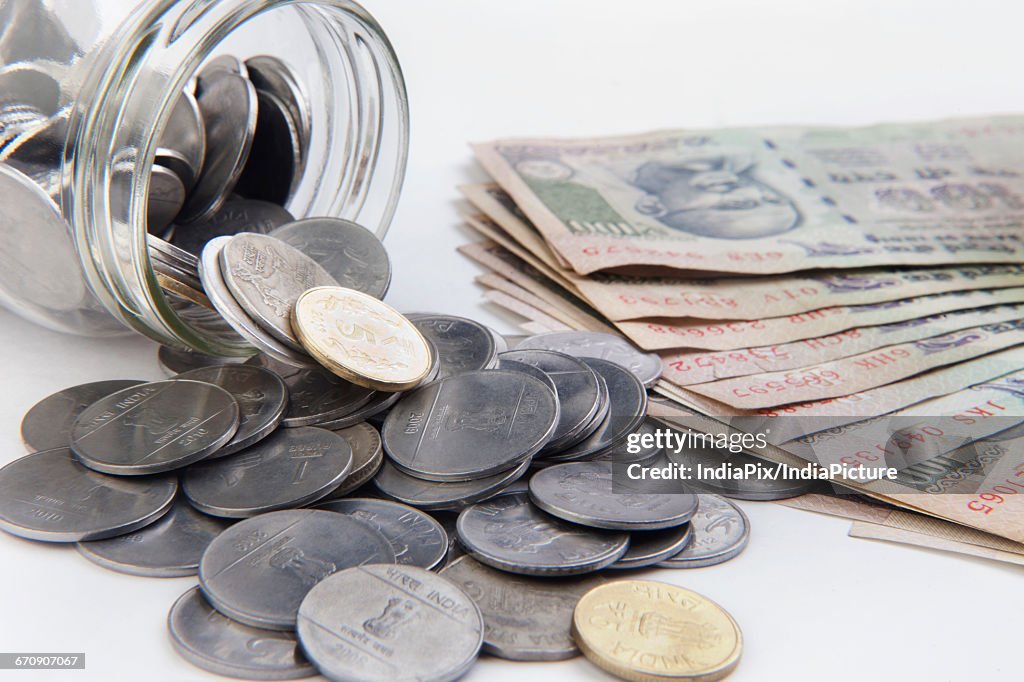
(119, 66)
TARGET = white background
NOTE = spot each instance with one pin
(813, 604)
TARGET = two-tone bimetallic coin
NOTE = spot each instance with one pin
(648, 547)
(720, 532)
(290, 468)
(646, 366)
(50, 496)
(462, 345)
(367, 457)
(261, 396)
(169, 548)
(153, 428)
(511, 534)
(258, 570)
(585, 493)
(470, 425)
(447, 496)
(526, 619)
(418, 540)
(267, 277)
(656, 632)
(350, 253)
(48, 423)
(210, 640)
(390, 623)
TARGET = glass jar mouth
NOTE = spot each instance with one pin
(358, 153)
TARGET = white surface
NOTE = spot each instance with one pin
(813, 604)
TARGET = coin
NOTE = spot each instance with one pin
(165, 199)
(648, 547)
(621, 454)
(584, 492)
(156, 427)
(453, 495)
(317, 396)
(367, 456)
(47, 424)
(746, 488)
(626, 411)
(379, 402)
(577, 388)
(720, 532)
(652, 632)
(361, 339)
(236, 215)
(289, 468)
(390, 622)
(266, 277)
(169, 548)
(185, 135)
(470, 425)
(511, 534)
(258, 570)
(418, 540)
(353, 255)
(214, 642)
(272, 75)
(238, 319)
(462, 345)
(228, 105)
(539, 375)
(525, 619)
(174, 361)
(275, 162)
(222, 62)
(50, 496)
(646, 366)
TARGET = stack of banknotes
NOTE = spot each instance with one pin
(855, 293)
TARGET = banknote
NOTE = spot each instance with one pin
(620, 297)
(686, 368)
(864, 371)
(722, 335)
(869, 531)
(540, 321)
(499, 283)
(773, 200)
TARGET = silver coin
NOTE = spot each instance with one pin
(720, 532)
(318, 397)
(228, 105)
(390, 623)
(418, 540)
(525, 618)
(50, 496)
(174, 361)
(275, 163)
(211, 641)
(169, 548)
(470, 425)
(583, 492)
(499, 341)
(448, 521)
(166, 197)
(746, 488)
(646, 366)
(578, 390)
(177, 164)
(236, 215)
(47, 424)
(462, 345)
(511, 534)
(266, 277)
(350, 253)
(627, 407)
(539, 375)
(289, 468)
(152, 428)
(649, 547)
(239, 320)
(379, 402)
(185, 135)
(367, 456)
(261, 396)
(258, 570)
(621, 454)
(272, 75)
(222, 62)
(433, 495)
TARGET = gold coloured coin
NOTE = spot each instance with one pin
(361, 339)
(648, 631)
